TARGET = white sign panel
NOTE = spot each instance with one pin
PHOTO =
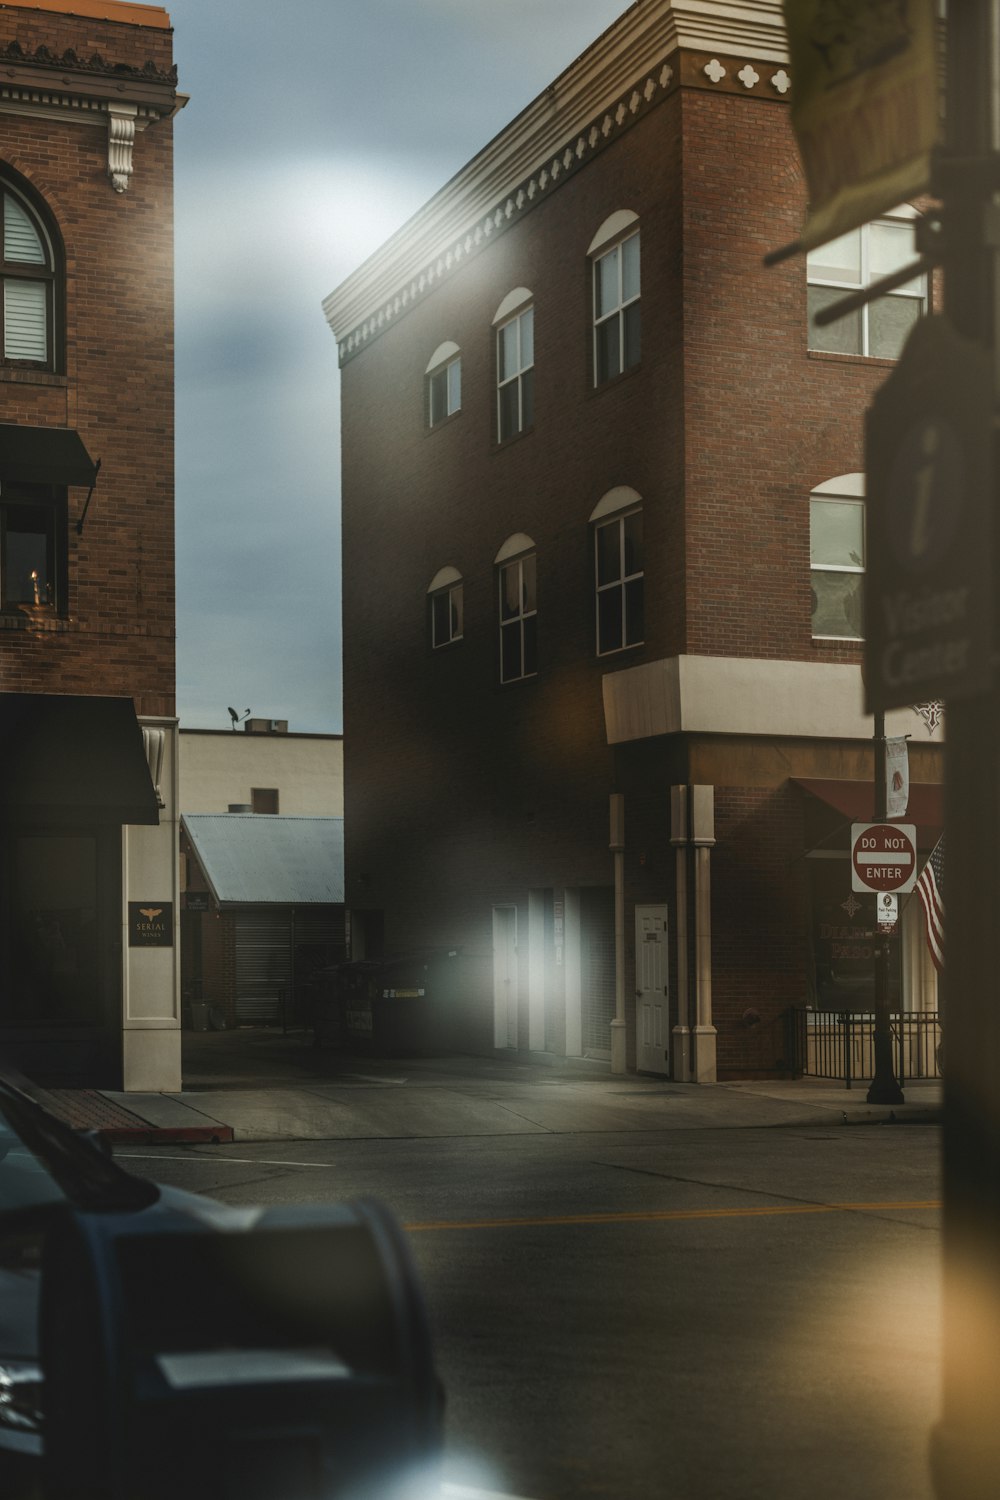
(887, 911)
(883, 856)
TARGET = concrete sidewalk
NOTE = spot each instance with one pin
(258, 1084)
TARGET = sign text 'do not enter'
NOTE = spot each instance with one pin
(883, 856)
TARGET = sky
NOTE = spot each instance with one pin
(315, 128)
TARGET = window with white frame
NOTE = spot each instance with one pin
(617, 322)
(515, 335)
(27, 307)
(837, 558)
(446, 607)
(518, 608)
(853, 261)
(444, 383)
(618, 571)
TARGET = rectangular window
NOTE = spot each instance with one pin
(837, 566)
(444, 392)
(515, 375)
(617, 321)
(25, 320)
(518, 620)
(852, 262)
(32, 548)
(620, 582)
(446, 616)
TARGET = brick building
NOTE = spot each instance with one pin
(88, 813)
(603, 529)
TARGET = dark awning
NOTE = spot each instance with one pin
(44, 455)
(73, 760)
(856, 800)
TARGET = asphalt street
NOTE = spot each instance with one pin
(706, 1313)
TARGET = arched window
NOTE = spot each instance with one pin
(853, 261)
(619, 577)
(445, 593)
(837, 557)
(617, 322)
(29, 282)
(514, 321)
(444, 383)
(518, 606)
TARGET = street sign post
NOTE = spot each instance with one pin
(883, 857)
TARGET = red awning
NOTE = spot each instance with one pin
(856, 800)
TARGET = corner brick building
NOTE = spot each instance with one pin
(88, 812)
(603, 531)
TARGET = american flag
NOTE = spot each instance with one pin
(929, 889)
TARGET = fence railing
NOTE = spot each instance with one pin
(841, 1044)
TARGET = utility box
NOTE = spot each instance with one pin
(264, 1356)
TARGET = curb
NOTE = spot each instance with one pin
(194, 1135)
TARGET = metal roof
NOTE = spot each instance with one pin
(262, 859)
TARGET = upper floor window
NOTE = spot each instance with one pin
(27, 311)
(854, 261)
(618, 570)
(32, 547)
(446, 607)
(515, 334)
(516, 574)
(837, 557)
(617, 321)
(444, 383)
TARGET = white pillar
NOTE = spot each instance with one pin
(680, 1052)
(618, 849)
(703, 838)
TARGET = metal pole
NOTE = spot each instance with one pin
(884, 1089)
(966, 1443)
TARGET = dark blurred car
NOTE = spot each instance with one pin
(46, 1167)
(354, 1292)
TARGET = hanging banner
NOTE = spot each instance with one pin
(864, 106)
(897, 778)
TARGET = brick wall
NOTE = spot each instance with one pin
(461, 793)
(115, 384)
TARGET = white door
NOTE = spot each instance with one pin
(651, 986)
(505, 976)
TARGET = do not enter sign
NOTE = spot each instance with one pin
(883, 856)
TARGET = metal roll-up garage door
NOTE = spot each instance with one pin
(263, 963)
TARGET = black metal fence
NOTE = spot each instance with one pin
(841, 1044)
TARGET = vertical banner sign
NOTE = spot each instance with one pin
(897, 777)
(864, 106)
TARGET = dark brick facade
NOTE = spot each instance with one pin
(462, 794)
(113, 380)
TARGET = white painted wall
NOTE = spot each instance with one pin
(218, 768)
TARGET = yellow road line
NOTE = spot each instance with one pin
(663, 1215)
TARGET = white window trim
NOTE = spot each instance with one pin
(518, 561)
(903, 214)
(849, 488)
(444, 359)
(618, 311)
(518, 375)
(613, 228)
(604, 519)
(445, 582)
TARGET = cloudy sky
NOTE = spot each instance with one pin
(315, 128)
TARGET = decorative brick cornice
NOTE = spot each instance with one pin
(117, 96)
(70, 61)
(606, 91)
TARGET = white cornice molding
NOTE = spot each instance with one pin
(619, 76)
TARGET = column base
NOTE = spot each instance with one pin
(704, 1054)
(680, 1055)
(152, 1060)
(618, 1046)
